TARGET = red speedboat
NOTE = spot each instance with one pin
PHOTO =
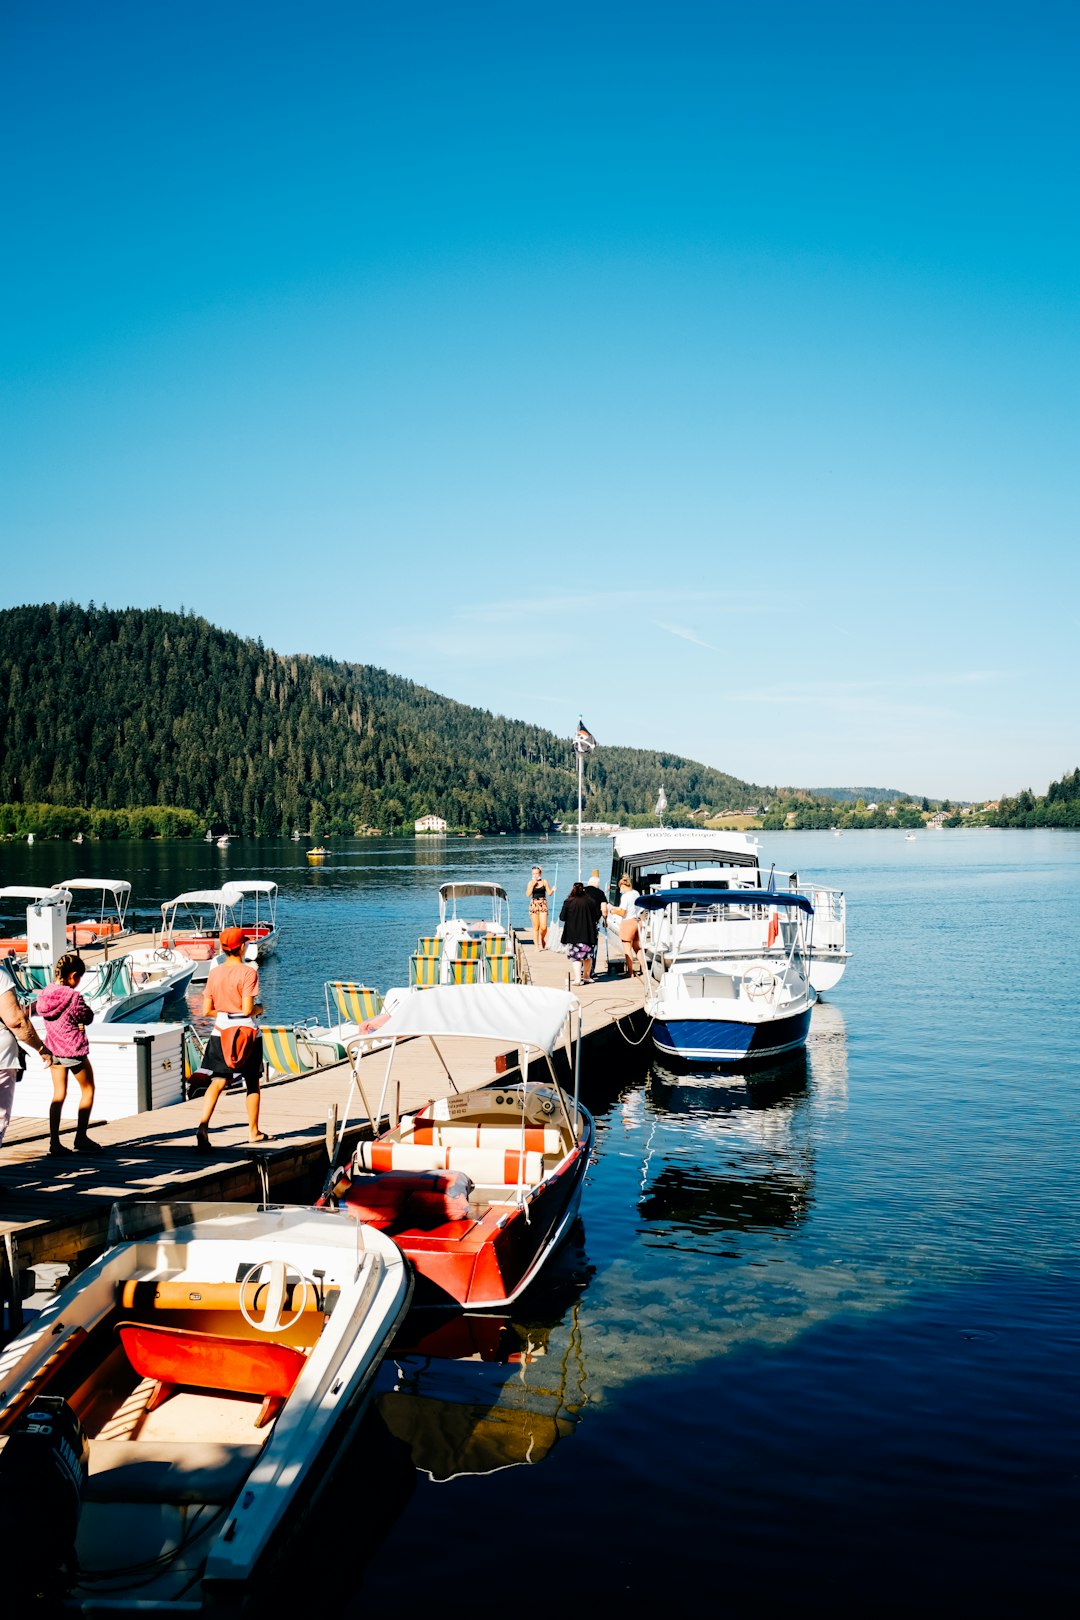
(479, 1187)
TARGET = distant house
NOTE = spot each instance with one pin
(430, 824)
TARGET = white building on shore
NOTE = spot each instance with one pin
(430, 824)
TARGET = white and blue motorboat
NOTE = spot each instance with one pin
(716, 858)
(723, 1010)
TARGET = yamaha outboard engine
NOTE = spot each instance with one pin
(42, 1470)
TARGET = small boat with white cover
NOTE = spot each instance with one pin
(479, 1187)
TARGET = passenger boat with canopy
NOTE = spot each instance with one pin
(730, 1010)
(254, 903)
(108, 919)
(479, 1187)
(191, 924)
(181, 1405)
(699, 857)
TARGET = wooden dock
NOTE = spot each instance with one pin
(57, 1209)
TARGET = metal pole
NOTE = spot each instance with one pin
(580, 772)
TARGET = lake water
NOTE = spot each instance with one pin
(815, 1343)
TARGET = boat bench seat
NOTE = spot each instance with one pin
(460, 1133)
(176, 1358)
(177, 1472)
(492, 1166)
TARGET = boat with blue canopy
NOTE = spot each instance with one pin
(723, 1010)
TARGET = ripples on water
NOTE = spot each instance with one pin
(815, 1341)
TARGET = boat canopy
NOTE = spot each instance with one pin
(640, 845)
(16, 891)
(249, 886)
(472, 891)
(518, 1014)
(722, 897)
(113, 886)
(219, 898)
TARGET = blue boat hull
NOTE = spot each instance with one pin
(724, 1041)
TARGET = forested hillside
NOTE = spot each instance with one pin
(115, 709)
(1058, 807)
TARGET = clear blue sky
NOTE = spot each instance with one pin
(709, 370)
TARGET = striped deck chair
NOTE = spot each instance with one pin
(424, 970)
(500, 969)
(469, 950)
(469, 972)
(196, 1078)
(355, 1003)
(280, 1051)
(429, 945)
(498, 945)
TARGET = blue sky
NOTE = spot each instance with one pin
(709, 370)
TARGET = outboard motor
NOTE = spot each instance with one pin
(42, 1470)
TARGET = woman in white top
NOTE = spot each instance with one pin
(629, 934)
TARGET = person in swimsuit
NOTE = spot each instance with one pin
(539, 892)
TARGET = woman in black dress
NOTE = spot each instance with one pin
(579, 918)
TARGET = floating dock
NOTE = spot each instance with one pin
(57, 1209)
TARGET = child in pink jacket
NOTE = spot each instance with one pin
(66, 1016)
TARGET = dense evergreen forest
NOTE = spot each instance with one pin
(115, 709)
(1059, 807)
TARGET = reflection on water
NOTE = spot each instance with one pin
(478, 1394)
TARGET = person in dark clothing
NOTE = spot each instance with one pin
(595, 893)
(580, 918)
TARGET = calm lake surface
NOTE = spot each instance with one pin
(817, 1341)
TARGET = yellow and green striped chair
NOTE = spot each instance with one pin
(355, 1003)
(280, 1051)
(469, 972)
(429, 945)
(497, 945)
(469, 950)
(500, 970)
(424, 970)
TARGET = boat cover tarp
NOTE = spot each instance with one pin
(472, 891)
(238, 886)
(199, 897)
(15, 891)
(115, 886)
(517, 1014)
(721, 897)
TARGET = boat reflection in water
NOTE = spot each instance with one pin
(475, 1394)
(765, 1179)
(827, 1051)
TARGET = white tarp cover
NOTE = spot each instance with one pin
(472, 891)
(15, 892)
(105, 885)
(205, 897)
(518, 1014)
(239, 886)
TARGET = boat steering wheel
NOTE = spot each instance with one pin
(273, 1319)
(759, 980)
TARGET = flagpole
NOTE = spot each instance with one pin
(580, 769)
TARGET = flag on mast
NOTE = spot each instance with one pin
(584, 741)
(661, 801)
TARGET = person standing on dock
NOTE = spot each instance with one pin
(234, 1050)
(539, 894)
(66, 1016)
(595, 893)
(15, 1027)
(580, 918)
